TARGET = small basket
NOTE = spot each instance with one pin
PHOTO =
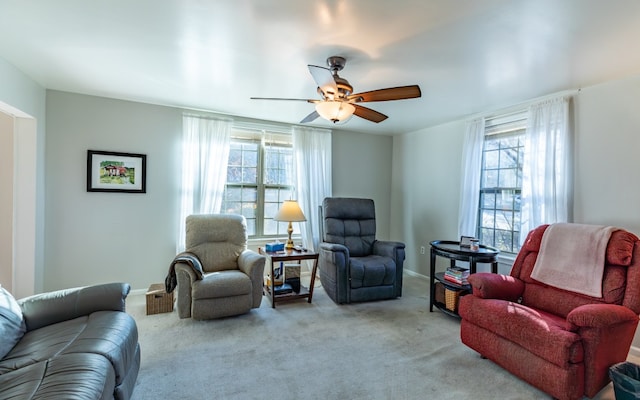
(439, 289)
(158, 300)
(451, 299)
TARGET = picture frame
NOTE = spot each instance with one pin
(110, 171)
(465, 241)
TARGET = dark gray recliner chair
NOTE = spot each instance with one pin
(353, 265)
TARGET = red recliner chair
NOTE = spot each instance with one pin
(559, 341)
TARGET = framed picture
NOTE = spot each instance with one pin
(108, 171)
(465, 241)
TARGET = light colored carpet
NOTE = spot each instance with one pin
(394, 349)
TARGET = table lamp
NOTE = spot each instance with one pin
(290, 212)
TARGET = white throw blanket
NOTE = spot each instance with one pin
(572, 257)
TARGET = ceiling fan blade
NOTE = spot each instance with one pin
(324, 80)
(369, 114)
(395, 93)
(285, 99)
(310, 117)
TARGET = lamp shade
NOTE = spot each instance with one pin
(335, 111)
(290, 212)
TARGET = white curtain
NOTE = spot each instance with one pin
(546, 170)
(205, 155)
(312, 158)
(470, 185)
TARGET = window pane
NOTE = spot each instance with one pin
(504, 241)
(232, 207)
(271, 195)
(234, 174)
(500, 186)
(249, 210)
(250, 157)
(509, 158)
(271, 227)
(508, 178)
(488, 219)
(249, 175)
(279, 163)
(233, 193)
(251, 227)
(506, 200)
(249, 195)
(486, 237)
(491, 159)
(487, 200)
(490, 179)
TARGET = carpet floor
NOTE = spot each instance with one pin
(394, 349)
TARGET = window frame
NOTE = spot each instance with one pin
(505, 127)
(263, 139)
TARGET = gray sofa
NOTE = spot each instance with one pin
(73, 344)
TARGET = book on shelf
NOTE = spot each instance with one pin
(457, 275)
(285, 288)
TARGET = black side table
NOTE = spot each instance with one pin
(453, 251)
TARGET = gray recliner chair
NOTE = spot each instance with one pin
(353, 265)
(217, 276)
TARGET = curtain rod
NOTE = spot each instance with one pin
(516, 108)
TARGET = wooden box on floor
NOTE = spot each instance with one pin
(158, 300)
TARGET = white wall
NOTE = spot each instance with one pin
(607, 164)
(6, 201)
(94, 237)
(101, 237)
(20, 95)
(426, 176)
(362, 168)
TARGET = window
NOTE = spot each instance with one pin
(501, 182)
(258, 179)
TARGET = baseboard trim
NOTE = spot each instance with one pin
(634, 352)
(138, 291)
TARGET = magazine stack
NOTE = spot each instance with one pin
(457, 275)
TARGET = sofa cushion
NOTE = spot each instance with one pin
(541, 333)
(372, 271)
(222, 284)
(69, 376)
(12, 326)
(112, 335)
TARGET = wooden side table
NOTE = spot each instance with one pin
(289, 256)
(453, 251)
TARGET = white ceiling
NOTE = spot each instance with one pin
(468, 56)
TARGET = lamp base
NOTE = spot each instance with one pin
(289, 245)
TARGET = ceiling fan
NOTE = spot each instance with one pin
(338, 102)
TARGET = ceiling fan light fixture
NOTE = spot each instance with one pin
(335, 111)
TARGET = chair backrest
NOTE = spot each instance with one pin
(350, 222)
(620, 283)
(217, 240)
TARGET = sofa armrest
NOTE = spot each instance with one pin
(496, 286)
(252, 264)
(606, 331)
(600, 316)
(389, 249)
(49, 308)
(333, 269)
